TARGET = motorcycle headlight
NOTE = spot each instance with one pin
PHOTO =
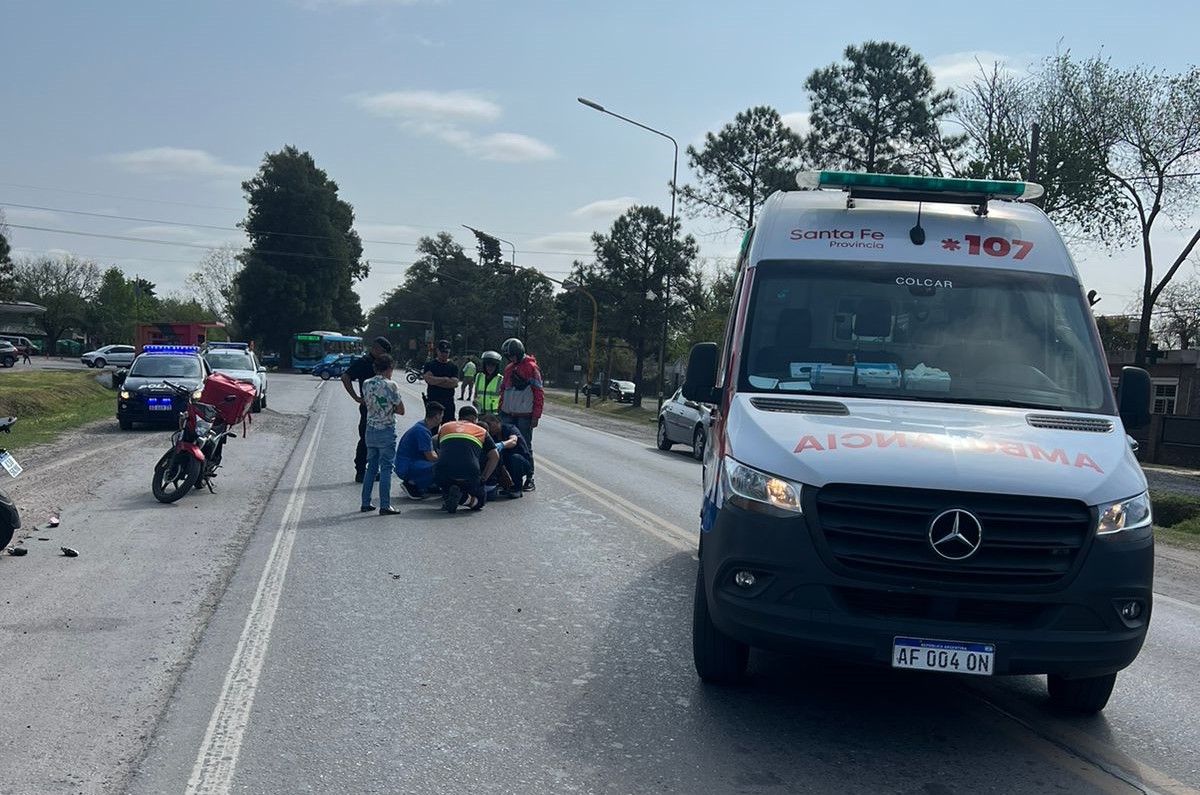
(203, 426)
(748, 488)
(1129, 514)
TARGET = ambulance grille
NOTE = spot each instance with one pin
(828, 407)
(882, 533)
(1055, 422)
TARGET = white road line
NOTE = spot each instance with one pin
(218, 756)
(1195, 608)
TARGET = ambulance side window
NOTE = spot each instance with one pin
(730, 323)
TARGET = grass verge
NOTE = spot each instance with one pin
(47, 403)
(643, 415)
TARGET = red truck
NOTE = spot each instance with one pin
(178, 334)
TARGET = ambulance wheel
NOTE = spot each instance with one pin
(663, 442)
(718, 658)
(1087, 696)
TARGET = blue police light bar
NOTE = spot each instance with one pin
(240, 346)
(170, 349)
(897, 185)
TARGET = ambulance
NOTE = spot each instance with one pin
(917, 458)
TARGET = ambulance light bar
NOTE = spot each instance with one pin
(896, 186)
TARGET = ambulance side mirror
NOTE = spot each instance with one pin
(1133, 397)
(701, 380)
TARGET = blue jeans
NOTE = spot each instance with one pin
(418, 472)
(381, 446)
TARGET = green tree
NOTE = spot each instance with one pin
(997, 111)
(1177, 316)
(878, 111)
(64, 285)
(183, 308)
(111, 314)
(1145, 125)
(1114, 333)
(8, 283)
(304, 255)
(741, 165)
(633, 264)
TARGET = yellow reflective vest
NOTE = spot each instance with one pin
(487, 393)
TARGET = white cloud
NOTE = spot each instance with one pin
(398, 233)
(798, 121)
(426, 105)
(19, 215)
(510, 148)
(958, 69)
(170, 161)
(604, 208)
(569, 242)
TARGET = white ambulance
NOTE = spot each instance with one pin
(917, 459)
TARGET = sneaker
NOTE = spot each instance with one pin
(388, 511)
(529, 484)
(450, 502)
(366, 509)
(411, 490)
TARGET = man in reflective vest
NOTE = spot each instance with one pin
(467, 457)
(487, 384)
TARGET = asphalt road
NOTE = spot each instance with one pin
(541, 646)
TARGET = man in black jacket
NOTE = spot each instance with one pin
(360, 370)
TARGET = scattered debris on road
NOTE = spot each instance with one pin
(69, 553)
(17, 552)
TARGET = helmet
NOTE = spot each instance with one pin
(513, 347)
(491, 356)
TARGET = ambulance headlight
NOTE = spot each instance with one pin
(757, 491)
(1130, 514)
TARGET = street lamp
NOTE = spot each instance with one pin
(577, 287)
(662, 347)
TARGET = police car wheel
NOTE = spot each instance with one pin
(718, 659)
(325, 375)
(664, 443)
(1087, 696)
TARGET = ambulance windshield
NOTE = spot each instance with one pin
(961, 335)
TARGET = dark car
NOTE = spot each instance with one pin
(144, 395)
(333, 367)
(620, 391)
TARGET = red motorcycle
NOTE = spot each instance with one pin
(197, 446)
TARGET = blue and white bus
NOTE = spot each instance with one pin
(308, 350)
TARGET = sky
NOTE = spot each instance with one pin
(137, 121)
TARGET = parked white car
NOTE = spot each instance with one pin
(684, 421)
(118, 355)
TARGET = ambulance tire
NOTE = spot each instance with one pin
(1085, 696)
(718, 659)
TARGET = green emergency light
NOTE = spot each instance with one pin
(905, 187)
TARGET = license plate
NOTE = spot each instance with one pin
(949, 656)
(10, 465)
(160, 406)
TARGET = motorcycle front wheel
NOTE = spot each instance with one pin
(174, 475)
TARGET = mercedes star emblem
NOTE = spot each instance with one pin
(955, 534)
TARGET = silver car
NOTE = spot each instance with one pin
(684, 421)
(119, 355)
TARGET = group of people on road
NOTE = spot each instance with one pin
(470, 456)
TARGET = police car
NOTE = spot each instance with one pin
(144, 395)
(236, 360)
(917, 459)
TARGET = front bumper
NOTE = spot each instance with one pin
(137, 409)
(798, 603)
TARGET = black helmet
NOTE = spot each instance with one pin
(513, 347)
(491, 356)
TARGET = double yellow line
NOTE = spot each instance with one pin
(653, 524)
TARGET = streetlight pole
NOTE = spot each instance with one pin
(575, 286)
(662, 346)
